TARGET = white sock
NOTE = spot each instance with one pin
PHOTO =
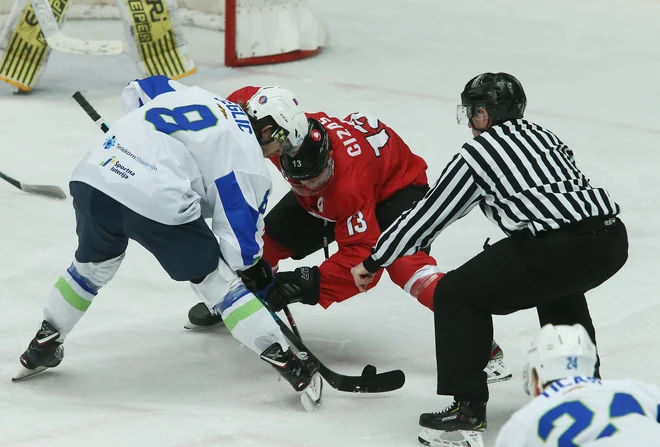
(249, 321)
(244, 315)
(68, 300)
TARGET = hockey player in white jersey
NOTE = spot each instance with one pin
(572, 408)
(179, 155)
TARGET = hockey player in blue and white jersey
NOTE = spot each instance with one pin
(179, 155)
(572, 408)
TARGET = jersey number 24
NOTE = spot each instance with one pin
(621, 405)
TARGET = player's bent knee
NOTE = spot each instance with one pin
(96, 274)
(216, 285)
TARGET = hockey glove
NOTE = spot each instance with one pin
(303, 285)
(258, 277)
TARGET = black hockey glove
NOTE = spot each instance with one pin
(257, 277)
(303, 285)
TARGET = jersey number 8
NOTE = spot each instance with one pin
(193, 117)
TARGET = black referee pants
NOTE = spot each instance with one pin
(550, 271)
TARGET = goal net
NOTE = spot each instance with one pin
(256, 31)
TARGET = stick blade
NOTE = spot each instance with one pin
(376, 383)
(54, 192)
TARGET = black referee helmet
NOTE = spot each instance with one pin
(501, 94)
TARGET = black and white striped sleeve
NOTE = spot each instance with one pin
(454, 194)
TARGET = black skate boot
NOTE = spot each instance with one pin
(468, 418)
(200, 317)
(300, 371)
(43, 352)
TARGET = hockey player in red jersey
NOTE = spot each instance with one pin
(349, 179)
(377, 175)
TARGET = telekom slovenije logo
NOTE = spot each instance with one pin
(109, 142)
(108, 161)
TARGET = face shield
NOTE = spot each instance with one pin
(465, 112)
(314, 185)
(281, 135)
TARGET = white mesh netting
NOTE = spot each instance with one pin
(200, 13)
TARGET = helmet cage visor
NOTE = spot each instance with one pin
(281, 135)
(314, 185)
(465, 112)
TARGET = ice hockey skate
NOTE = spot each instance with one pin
(300, 371)
(496, 371)
(201, 317)
(459, 425)
(43, 352)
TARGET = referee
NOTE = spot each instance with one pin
(563, 239)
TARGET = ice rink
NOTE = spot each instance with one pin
(132, 376)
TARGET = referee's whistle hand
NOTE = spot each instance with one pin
(362, 277)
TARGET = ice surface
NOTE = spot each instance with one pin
(132, 376)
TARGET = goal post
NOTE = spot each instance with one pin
(268, 32)
(256, 31)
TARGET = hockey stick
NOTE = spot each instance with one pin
(91, 112)
(61, 42)
(326, 249)
(42, 190)
(292, 322)
(369, 382)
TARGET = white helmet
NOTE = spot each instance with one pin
(283, 107)
(558, 352)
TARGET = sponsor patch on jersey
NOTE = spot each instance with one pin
(224, 112)
(263, 99)
(316, 135)
(117, 168)
(109, 143)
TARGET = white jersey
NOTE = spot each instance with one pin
(180, 153)
(578, 410)
(634, 431)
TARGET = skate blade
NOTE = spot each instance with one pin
(496, 379)
(458, 438)
(193, 327)
(25, 373)
(312, 396)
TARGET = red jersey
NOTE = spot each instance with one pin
(372, 163)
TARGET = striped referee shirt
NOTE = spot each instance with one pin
(521, 176)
